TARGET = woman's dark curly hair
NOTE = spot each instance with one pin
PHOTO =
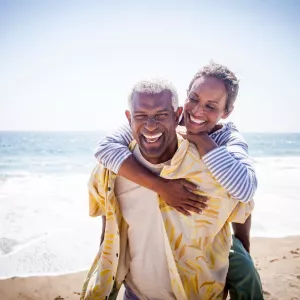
(223, 73)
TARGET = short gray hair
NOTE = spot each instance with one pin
(154, 86)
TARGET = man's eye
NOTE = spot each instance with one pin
(162, 116)
(140, 117)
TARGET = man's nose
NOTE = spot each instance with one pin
(151, 124)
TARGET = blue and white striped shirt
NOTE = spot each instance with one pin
(229, 163)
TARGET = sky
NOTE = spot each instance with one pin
(69, 65)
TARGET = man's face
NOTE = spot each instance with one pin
(153, 123)
(205, 105)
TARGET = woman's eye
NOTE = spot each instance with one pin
(210, 107)
(192, 99)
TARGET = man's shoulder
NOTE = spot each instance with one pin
(98, 168)
(185, 147)
(100, 172)
(186, 153)
(193, 151)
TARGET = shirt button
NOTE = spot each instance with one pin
(109, 188)
(113, 277)
(117, 254)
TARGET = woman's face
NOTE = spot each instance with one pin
(205, 105)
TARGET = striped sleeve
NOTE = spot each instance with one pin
(113, 150)
(231, 165)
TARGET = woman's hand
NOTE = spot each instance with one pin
(178, 193)
(202, 140)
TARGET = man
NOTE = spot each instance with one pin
(157, 252)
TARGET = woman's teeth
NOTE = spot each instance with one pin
(197, 121)
(152, 138)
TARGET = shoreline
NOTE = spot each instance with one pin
(276, 259)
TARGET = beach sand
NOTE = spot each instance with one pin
(277, 260)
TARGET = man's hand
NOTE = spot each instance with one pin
(178, 194)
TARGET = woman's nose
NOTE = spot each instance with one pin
(198, 110)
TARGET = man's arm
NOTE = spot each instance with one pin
(242, 232)
(114, 154)
(103, 229)
(241, 222)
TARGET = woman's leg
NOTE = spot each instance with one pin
(243, 280)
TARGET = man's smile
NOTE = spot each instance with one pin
(152, 138)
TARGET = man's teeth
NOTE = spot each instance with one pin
(198, 121)
(152, 138)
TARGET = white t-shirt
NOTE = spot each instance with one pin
(149, 271)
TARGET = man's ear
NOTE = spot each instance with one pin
(228, 112)
(178, 113)
(128, 116)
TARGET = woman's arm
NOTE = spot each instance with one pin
(228, 161)
(113, 150)
(114, 154)
(242, 232)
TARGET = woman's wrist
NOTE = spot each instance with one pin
(158, 184)
(204, 143)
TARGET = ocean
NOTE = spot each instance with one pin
(44, 222)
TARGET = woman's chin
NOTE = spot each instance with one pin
(195, 129)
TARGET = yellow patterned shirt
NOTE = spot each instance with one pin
(197, 247)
